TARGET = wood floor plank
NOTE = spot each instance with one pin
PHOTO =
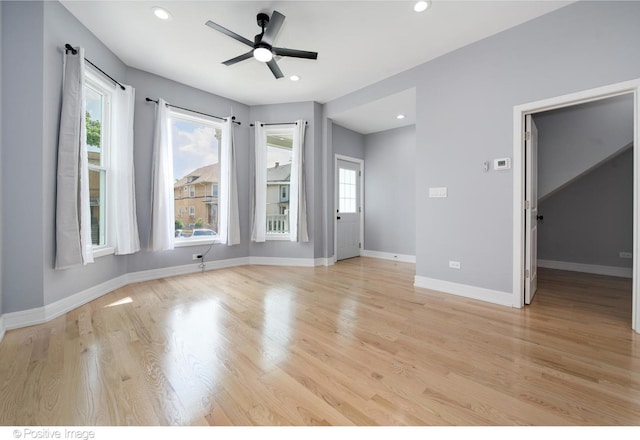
(350, 344)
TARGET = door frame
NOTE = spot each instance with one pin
(519, 112)
(336, 203)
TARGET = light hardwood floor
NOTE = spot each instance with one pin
(350, 344)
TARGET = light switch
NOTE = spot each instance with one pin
(438, 192)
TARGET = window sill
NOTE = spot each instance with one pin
(194, 242)
(103, 251)
(278, 237)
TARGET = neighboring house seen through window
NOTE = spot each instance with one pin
(279, 158)
(196, 158)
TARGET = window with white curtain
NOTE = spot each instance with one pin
(279, 195)
(279, 159)
(98, 96)
(196, 142)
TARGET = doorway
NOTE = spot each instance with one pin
(524, 221)
(349, 219)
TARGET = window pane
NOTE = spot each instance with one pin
(97, 206)
(94, 123)
(347, 199)
(196, 173)
(279, 157)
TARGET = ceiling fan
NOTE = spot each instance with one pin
(262, 45)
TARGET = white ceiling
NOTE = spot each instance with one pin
(358, 42)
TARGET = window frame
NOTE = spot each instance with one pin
(186, 115)
(279, 131)
(95, 82)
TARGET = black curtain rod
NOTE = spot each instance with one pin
(279, 123)
(69, 48)
(233, 118)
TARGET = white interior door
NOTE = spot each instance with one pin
(349, 210)
(531, 210)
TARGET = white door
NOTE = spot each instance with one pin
(531, 210)
(349, 210)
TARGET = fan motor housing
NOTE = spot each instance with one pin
(263, 20)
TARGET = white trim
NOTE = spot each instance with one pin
(2, 327)
(24, 318)
(360, 162)
(519, 112)
(624, 272)
(390, 256)
(479, 293)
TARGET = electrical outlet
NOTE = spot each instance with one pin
(626, 255)
(196, 257)
(454, 264)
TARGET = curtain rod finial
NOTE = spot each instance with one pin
(70, 48)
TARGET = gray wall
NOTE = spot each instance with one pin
(152, 86)
(574, 139)
(22, 159)
(390, 191)
(313, 166)
(347, 142)
(591, 220)
(1, 154)
(465, 103)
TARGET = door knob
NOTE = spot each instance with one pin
(338, 217)
(540, 217)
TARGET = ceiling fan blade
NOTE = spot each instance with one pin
(295, 53)
(231, 34)
(239, 58)
(275, 69)
(275, 23)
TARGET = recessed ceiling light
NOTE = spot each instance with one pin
(421, 6)
(401, 116)
(161, 13)
(294, 78)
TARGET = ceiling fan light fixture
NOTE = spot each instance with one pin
(161, 13)
(262, 54)
(422, 6)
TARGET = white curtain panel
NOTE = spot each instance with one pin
(121, 182)
(229, 212)
(259, 228)
(162, 220)
(298, 199)
(73, 216)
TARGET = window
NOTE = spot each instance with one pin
(196, 157)
(347, 199)
(279, 158)
(98, 126)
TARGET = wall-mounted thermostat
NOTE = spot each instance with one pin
(502, 164)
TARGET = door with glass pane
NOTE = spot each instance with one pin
(349, 210)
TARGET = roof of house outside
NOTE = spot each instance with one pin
(280, 173)
(206, 174)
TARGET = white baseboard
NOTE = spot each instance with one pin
(39, 315)
(2, 327)
(155, 274)
(624, 272)
(390, 256)
(479, 293)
